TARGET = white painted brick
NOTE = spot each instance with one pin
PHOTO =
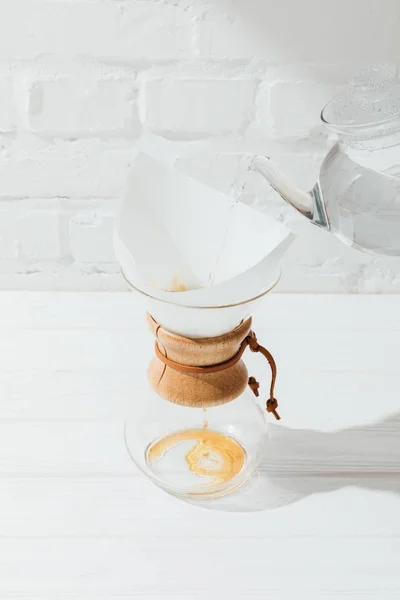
(61, 277)
(290, 31)
(294, 108)
(9, 240)
(82, 168)
(198, 106)
(82, 105)
(29, 233)
(7, 110)
(119, 31)
(91, 237)
(39, 235)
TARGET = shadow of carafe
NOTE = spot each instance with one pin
(301, 462)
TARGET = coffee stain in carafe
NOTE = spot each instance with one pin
(214, 455)
(177, 285)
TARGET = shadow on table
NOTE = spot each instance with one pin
(303, 462)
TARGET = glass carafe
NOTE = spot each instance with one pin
(200, 434)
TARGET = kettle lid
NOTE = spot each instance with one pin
(372, 100)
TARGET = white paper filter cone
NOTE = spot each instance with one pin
(192, 251)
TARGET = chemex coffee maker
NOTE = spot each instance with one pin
(205, 262)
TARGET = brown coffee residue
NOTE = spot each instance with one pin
(177, 285)
(214, 455)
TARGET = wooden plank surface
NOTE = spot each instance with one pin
(77, 520)
(148, 565)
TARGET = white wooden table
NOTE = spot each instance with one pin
(78, 521)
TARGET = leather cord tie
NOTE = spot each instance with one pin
(251, 342)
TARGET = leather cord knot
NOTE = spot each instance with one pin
(254, 386)
(252, 342)
(272, 405)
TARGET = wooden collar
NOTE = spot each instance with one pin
(249, 341)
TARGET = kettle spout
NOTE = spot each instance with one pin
(309, 204)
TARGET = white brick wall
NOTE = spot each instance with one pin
(80, 80)
(108, 30)
(7, 105)
(198, 107)
(80, 106)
